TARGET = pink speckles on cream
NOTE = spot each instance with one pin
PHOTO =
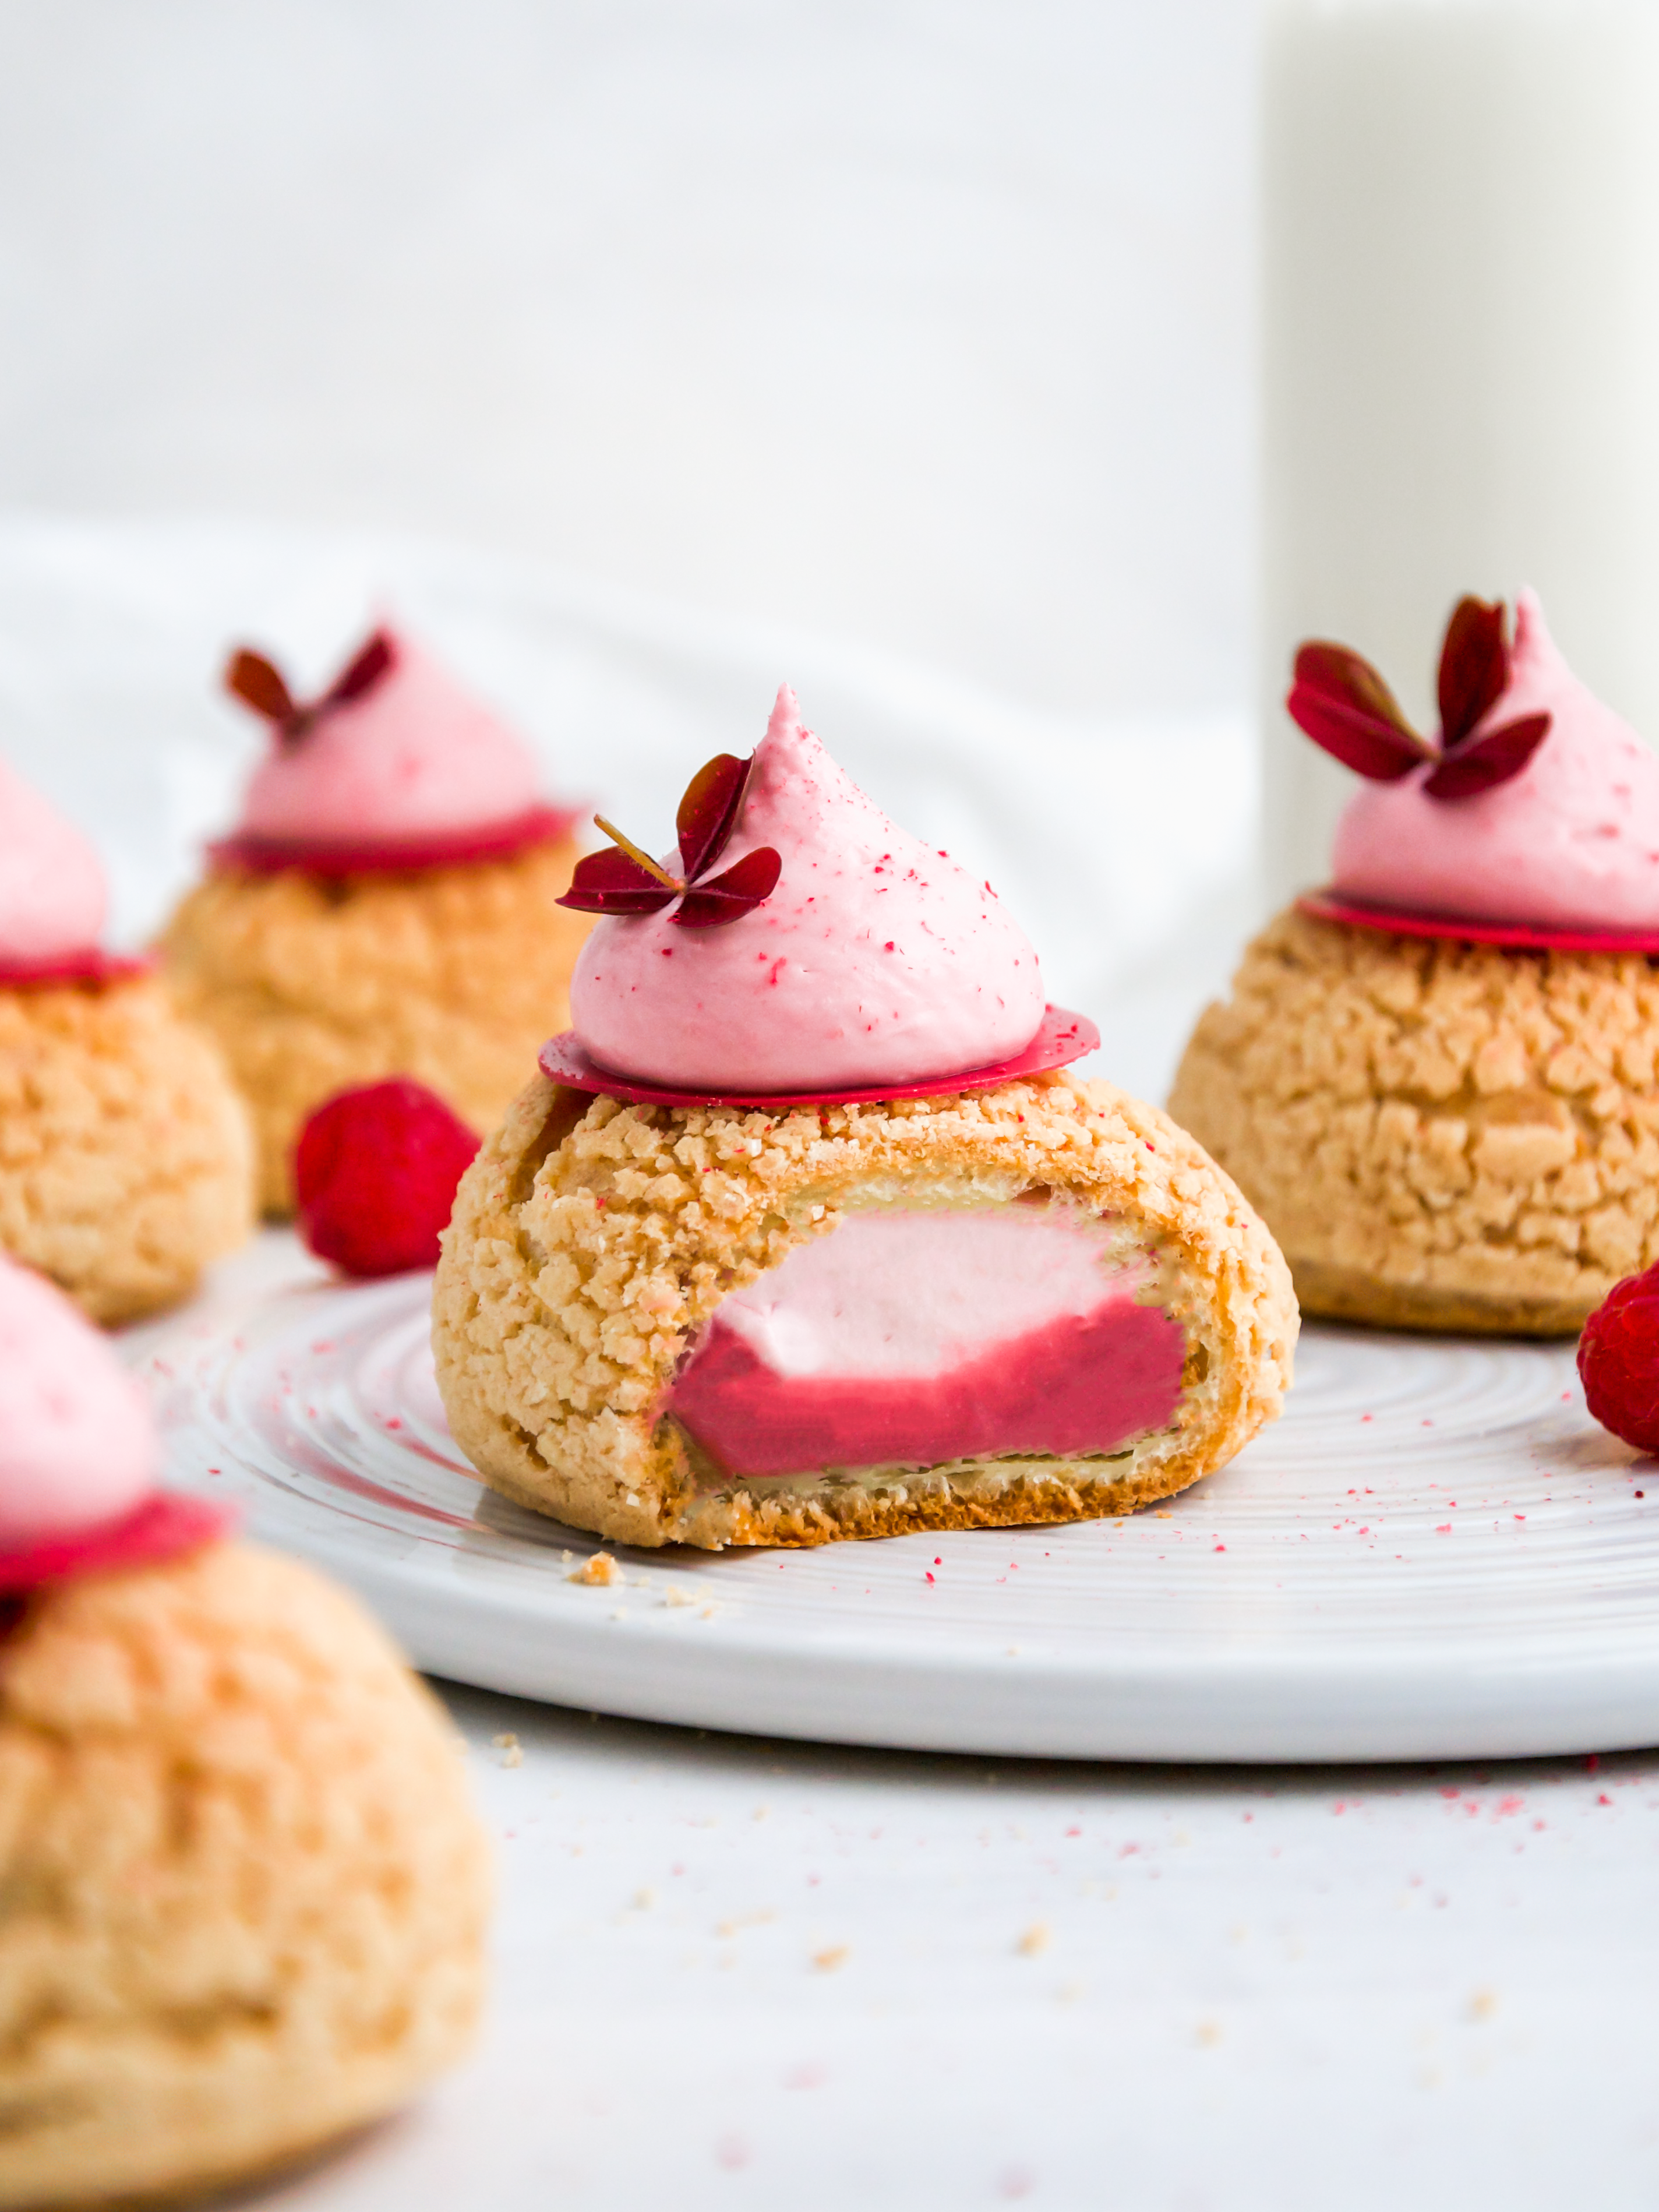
(1572, 841)
(875, 960)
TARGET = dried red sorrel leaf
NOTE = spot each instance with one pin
(1344, 705)
(624, 880)
(1474, 666)
(613, 882)
(1488, 761)
(736, 891)
(258, 682)
(1358, 740)
(361, 673)
(1343, 677)
(708, 812)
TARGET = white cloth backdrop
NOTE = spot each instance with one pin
(1124, 848)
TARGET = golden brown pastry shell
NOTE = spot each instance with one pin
(591, 1240)
(1442, 1135)
(125, 1157)
(242, 1895)
(312, 983)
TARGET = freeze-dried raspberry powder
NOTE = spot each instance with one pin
(1618, 1361)
(376, 1169)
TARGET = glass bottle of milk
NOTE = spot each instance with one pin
(1461, 203)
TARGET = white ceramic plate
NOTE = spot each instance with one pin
(1436, 1553)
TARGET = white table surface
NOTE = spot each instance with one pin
(763, 1972)
(747, 1973)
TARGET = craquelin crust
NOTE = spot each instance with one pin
(591, 1240)
(125, 1157)
(454, 975)
(1440, 1135)
(242, 1895)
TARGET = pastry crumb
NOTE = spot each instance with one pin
(597, 1573)
(1034, 1941)
(511, 1749)
(735, 1926)
(675, 1595)
(1209, 2034)
(833, 1955)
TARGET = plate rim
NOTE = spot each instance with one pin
(486, 1617)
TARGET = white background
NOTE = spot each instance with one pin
(923, 324)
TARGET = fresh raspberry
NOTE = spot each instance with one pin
(1618, 1361)
(376, 1169)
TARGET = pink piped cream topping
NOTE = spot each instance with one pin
(405, 756)
(78, 1446)
(1570, 841)
(874, 959)
(52, 893)
(919, 1336)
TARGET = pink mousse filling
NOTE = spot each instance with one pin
(915, 1337)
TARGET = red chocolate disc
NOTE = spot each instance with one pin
(163, 1526)
(496, 840)
(90, 967)
(1330, 906)
(1061, 1037)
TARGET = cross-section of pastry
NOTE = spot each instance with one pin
(387, 906)
(125, 1160)
(805, 1232)
(242, 1895)
(1437, 1078)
